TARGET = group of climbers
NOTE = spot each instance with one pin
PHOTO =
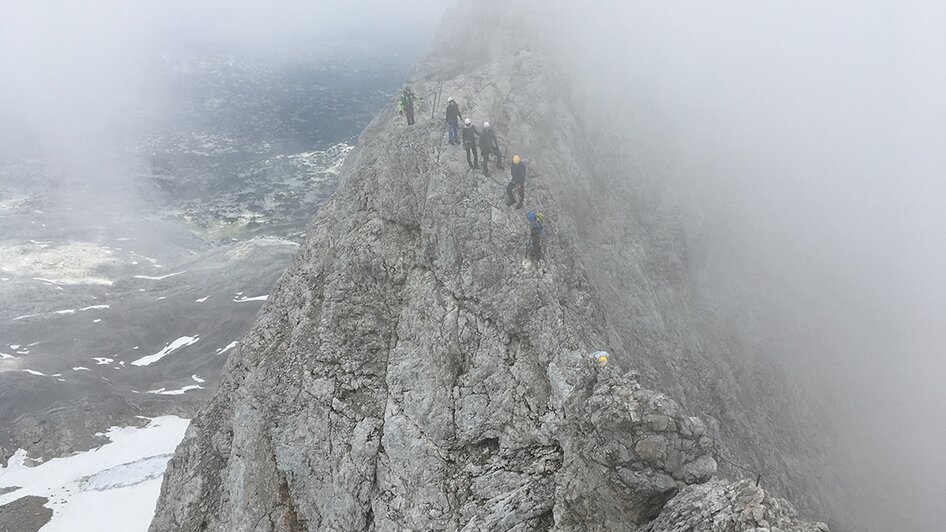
(488, 145)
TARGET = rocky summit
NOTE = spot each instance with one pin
(413, 370)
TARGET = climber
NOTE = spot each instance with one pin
(536, 231)
(489, 145)
(453, 118)
(600, 358)
(469, 142)
(405, 105)
(518, 183)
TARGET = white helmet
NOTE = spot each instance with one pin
(485, 124)
(450, 99)
(468, 122)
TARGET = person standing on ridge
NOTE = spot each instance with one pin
(536, 231)
(453, 120)
(469, 143)
(405, 105)
(518, 183)
(489, 145)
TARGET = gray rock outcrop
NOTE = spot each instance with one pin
(412, 371)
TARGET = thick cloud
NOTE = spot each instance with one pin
(812, 137)
(73, 72)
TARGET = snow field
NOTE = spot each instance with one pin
(114, 487)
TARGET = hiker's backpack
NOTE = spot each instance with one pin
(537, 224)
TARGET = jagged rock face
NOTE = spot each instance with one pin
(412, 371)
(723, 507)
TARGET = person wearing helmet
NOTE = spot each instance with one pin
(405, 105)
(469, 135)
(453, 119)
(518, 183)
(536, 231)
(489, 146)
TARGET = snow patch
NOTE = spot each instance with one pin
(34, 372)
(63, 312)
(201, 300)
(123, 477)
(198, 380)
(81, 368)
(5, 356)
(247, 299)
(159, 277)
(183, 341)
(101, 361)
(229, 346)
(179, 391)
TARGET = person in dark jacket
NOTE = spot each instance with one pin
(453, 120)
(536, 232)
(406, 105)
(488, 146)
(469, 135)
(518, 183)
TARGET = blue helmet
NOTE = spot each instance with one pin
(531, 216)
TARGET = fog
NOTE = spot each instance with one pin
(86, 84)
(77, 74)
(811, 138)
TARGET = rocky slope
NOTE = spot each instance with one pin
(413, 372)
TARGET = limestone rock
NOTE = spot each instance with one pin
(718, 506)
(411, 371)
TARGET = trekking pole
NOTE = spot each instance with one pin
(433, 110)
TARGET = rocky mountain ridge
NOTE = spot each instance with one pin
(413, 372)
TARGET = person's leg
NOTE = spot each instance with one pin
(453, 133)
(536, 246)
(509, 197)
(476, 161)
(499, 159)
(522, 195)
(485, 155)
(469, 158)
(410, 115)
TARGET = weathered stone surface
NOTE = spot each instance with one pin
(718, 506)
(412, 372)
(26, 514)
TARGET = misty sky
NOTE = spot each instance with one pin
(812, 135)
(76, 71)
